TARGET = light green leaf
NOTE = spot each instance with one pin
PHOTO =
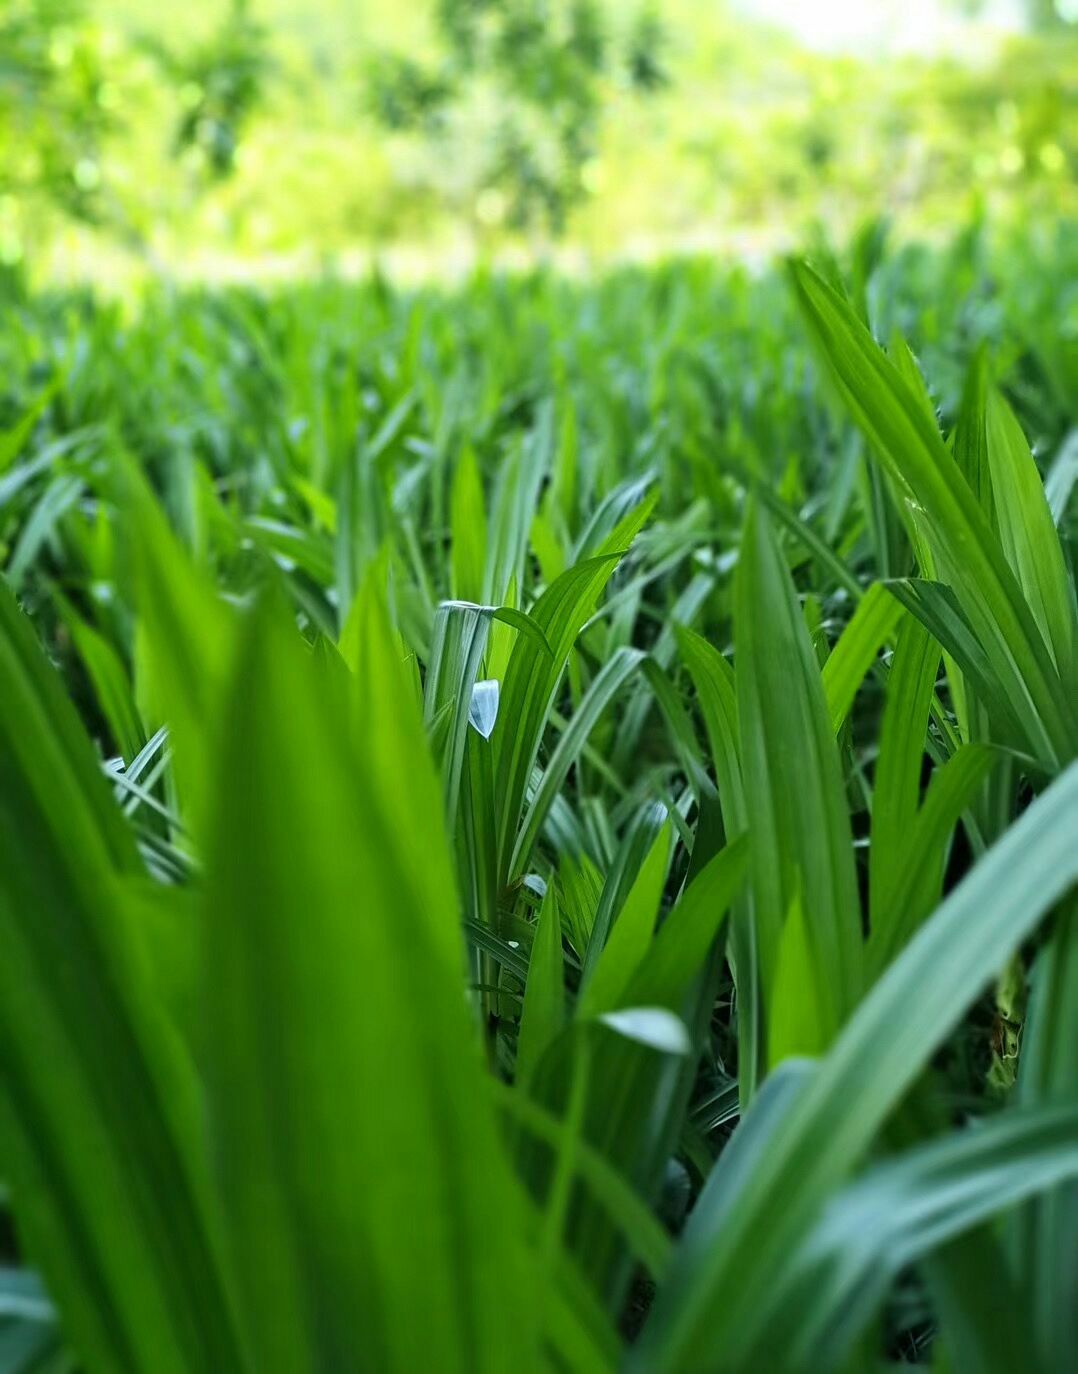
(631, 933)
(795, 799)
(1028, 534)
(870, 627)
(544, 993)
(468, 526)
(796, 1022)
(896, 791)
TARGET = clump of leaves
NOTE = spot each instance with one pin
(220, 84)
(52, 119)
(542, 66)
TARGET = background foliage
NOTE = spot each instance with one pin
(455, 128)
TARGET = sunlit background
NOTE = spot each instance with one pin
(273, 138)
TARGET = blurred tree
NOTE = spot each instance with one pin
(54, 104)
(542, 65)
(1040, 15)
(1050, 14)
(220, 82)
(62, 92)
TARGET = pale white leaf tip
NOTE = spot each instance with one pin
(483, 711)
(655, 1027)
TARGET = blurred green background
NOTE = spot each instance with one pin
(271, 139)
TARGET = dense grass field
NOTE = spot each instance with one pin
(539, 821)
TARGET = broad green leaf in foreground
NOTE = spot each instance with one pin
(105, 1150)
(712, 1311)
(1042, 1239)
(897, 1212)
(346, 1091)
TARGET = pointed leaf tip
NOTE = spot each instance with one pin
(483, 711)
